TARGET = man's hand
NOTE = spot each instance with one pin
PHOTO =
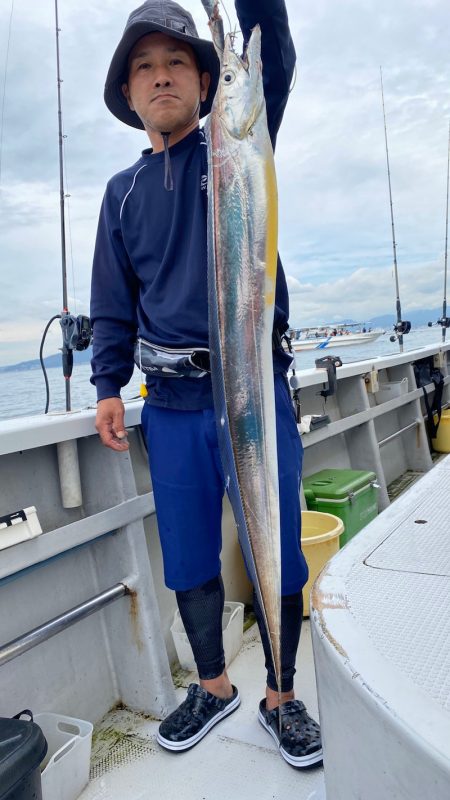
(109, 423)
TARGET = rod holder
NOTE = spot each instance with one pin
(69, 474)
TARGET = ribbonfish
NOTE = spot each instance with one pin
(242, 263)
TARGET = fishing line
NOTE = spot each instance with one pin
(41, 359)
(227, 16)
(234, 29)
(4, 87)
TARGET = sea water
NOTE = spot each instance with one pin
(23, 393)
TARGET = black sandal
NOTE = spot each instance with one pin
(300, 743)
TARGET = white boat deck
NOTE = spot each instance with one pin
(381, 629)
(237, 757)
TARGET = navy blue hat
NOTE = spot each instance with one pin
(169, 18)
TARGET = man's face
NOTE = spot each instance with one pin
(164, 85)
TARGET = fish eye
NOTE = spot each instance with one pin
(229, 77)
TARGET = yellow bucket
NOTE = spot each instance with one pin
(320, 541)
(442, 441)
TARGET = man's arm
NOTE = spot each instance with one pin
(114, 296)
(278, 60)
(277, 53)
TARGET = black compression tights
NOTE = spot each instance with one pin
(201, 611)
(291, 625)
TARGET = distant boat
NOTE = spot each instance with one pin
(331, 336)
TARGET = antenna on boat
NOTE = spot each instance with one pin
(76, 331)
(401, 327)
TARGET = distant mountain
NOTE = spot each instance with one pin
(79, 357)
(416, 318)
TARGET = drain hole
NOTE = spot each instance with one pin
(420, 521)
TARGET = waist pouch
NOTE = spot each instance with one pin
(168, 362)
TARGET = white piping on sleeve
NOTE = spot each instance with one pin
(130, 189)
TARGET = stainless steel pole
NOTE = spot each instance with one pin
(40, 634)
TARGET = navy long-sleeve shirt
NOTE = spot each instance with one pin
(149, 273)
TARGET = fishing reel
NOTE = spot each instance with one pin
(77, 335)
(444, 322)
(400, 329)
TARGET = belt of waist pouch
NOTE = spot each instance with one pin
(171, 362)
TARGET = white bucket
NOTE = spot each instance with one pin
(387, 391)
(65, 769)
(232, 628)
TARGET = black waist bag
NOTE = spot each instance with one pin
(425, 374)
(168, 362)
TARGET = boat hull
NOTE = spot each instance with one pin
(332, 342)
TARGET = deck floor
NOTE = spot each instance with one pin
(238, 756)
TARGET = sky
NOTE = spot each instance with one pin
(334, 219)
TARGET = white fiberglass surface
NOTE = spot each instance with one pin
(400, 591)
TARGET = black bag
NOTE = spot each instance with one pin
(427, 373)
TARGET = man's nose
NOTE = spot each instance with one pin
(162, 78)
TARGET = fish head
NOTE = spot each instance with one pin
(239, 99)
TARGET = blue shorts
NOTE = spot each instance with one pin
(188, 485)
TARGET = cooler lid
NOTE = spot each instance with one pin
(22, 748)
(336, 484)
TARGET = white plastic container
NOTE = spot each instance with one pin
(18, 527)
(65, 769)
(388, 391)
(232, 627)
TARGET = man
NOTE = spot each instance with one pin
(149, 285)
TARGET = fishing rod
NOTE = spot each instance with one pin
(401, 327)
(76, 331)
(444, 321)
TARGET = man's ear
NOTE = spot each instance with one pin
(126, 92)
(205, 80)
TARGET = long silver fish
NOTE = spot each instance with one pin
(242, 264)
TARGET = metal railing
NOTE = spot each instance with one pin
(44, 632)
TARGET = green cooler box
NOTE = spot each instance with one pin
(349, 494)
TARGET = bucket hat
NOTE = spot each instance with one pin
(167, 17)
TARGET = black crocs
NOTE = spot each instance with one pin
(300, 743)
(192, 720)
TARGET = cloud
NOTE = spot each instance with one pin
(335, 228)
(362, 295)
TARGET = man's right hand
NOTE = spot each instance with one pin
(109, 423)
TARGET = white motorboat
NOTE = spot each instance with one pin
(332, 336)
